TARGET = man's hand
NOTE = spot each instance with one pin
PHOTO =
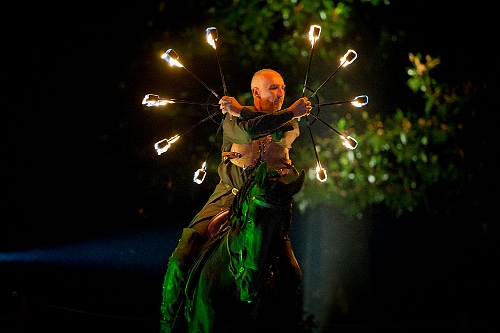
(230, 105)
(301, 107)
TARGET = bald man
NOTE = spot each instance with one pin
(247, 130)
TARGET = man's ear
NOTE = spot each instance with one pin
(255, 92)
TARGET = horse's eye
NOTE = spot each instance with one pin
(249, 224)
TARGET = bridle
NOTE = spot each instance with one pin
(277, 206)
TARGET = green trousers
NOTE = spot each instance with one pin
(174, 283)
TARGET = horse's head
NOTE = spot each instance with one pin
(261, 215)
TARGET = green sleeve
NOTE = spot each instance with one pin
(244, 129)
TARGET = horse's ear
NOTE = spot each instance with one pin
(297, 183)
(261, 173)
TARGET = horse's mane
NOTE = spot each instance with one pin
(241, 195)
(235, 208)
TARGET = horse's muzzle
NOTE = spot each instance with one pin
(250, 285)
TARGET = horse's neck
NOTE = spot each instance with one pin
(208, 248)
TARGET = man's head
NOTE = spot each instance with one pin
(268, 90)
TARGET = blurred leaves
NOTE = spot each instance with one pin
(402, 159)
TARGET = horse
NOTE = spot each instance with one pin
(238, 283)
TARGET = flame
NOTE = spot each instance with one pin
(171, 61)
(314, 33)
(155, 100)
(199, 175)
(344, 61)
(360, 101)
(321, 173)
(166, 144)
(349, 142)
(210, 33)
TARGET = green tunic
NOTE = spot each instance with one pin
(250, 125)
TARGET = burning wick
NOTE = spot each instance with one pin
(349, 142)
(171, 61)
(151, 100)
(360, 101)
(210, 32)
(314, 33)
(320, 173)
(199, 175)
(212, 37)
(163, 145)
(155, 100)
(348, 58)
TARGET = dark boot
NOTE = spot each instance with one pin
(174, 283)
(289, 263)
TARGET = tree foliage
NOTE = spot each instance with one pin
(405, 159)
(411, 156)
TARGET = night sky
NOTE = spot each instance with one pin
(81, 133)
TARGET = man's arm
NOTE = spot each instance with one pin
(241, 130)
(252, 124)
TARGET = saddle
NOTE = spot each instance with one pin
(216, 223)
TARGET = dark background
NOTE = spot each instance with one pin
(92, 214)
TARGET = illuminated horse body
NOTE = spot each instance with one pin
(237, 286)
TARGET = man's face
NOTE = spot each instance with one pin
(271, 91)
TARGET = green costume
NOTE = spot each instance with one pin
(251, 125)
